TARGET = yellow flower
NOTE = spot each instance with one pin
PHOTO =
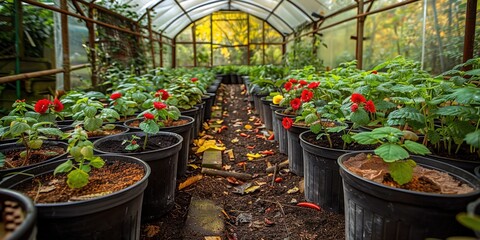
(277, 99)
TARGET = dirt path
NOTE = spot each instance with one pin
(273, 210)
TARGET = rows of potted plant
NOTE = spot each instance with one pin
(113, 210)
(408, 110)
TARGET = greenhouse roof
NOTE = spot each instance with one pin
(171, 16)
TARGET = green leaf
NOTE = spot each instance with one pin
(90, 111)
(416, 148)
(316, 128)
(97, 162)
(365, 138)
(473, 139)
(76, 152)
(173, 112)
(391, 152)
(77, 178)
(131, 147)
(149, 127)
(360, 117)
(2, 159)
(87, 152)
(311, 118)
(67, 166)
(108, 126)
(35, 144)
(50, 131)
(18, 128)
(337, 129)
(401, 171)
(469, 221)
(85, 168)
(92, 124)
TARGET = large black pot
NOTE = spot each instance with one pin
(13, 200)
(377, 211)
(185, 131)
(113, 216)
(466, 165)
(267, 113)
(209, 102)
(295, 151)
(160, 193)
(323, 184)
(282, 132)
(275, 124)
(258, 104)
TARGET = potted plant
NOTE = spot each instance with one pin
(32, 147)
(159, 149)
(402, 196)
(72, 195)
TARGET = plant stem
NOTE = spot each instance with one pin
(145, 142)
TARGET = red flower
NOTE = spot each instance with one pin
(134, 142)
(292, 80)
(287, 122)
(58, 105)
(313, 85)
(288, 86)
(148, 116)
(159, 105)
(369, 106)
(357, 98)
(354, 107)
(42, 106)
(116, 95)
(302, 82)
(374, 72)
(295, 103)
(306, 95)
(162, 93)
(194, 79)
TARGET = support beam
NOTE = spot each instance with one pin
(174, 54)
(150, 35)
(194, 38)
(91, 46)
(65, 46)
(360, 27)
(469, 40)
(18, 42)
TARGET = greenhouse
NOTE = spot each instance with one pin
(239, 119)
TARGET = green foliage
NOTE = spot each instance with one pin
(394, 150)
(81, 150)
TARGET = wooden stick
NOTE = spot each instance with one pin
(274, 173)
(278, 167)
(242, 176)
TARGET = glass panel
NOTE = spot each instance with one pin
(279, 25)
(340, 47)
(256, 54)
(148, 53)
(203, 55)
(203, 30)
(230, 55)
(177, 26)
(184, 55)
(273, 54)
(256, 30)
(185, 35)
(81, 79)
(271, 35)
(78, 35)
(230, 28)
(402, 35)
(290, 14)
(167, 56)
(252, 9)
(156, 47)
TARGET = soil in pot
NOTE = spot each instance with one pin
(179, 122)
(14, 160)
(374, 168)
(337, 142)
(51, 189)
(153, 143)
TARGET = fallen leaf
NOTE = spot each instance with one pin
(219, 121)
(226, 167)
(235, 140)
(206, 126)
(252, 156)
(230, 154)
(268, 222)
(252, 189)
(301, 186)
(248, 126)
(260, 183)
(292, 190)
(267, 152)
(209, 144)
(251, 147)
(46, 189)
(190, 181)
(213, 238)
(151, 230)
(241, 189)
(234, 181)
(194, 166)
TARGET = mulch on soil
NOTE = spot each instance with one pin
(273, 209)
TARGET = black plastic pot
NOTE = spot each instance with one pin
(193, 113)
(466, 165)
(258, 104)
(208, 106)
(275, 124)
(27, 229)
(376, 211)
(199, 119)
(113, 216)
(295, 150)
(11, 146)
(282, 132)
(267, 113)
(159, 196)
(323, 184)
